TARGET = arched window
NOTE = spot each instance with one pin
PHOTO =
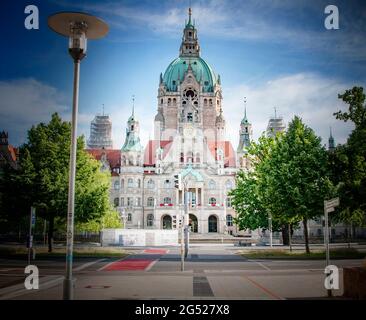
(129, 217)
(229, 184)
(190, 157)
(210, 102)
(150, 220)
(211, 184)
(174, 101)
(130, 183)
(116, 185)
(161, 101)
(198, 158)
(151, 184)
(167, 200)
(150, 202)
(116, 202)
(212, 201)
(205, 102)
(229, 220)
(169, 101)
(181, 157)
(228, 202)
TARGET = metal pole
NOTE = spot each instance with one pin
(289, 236)
(270, 229)
(44, 232)
(182, 241)
(326, 241)
(30, 236)
(186, 222)
(68, 289)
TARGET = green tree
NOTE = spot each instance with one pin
(348, 163)
(42, 180)
(110, 219)
(249, 198)
(299, 177)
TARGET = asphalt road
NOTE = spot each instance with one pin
(210, 272)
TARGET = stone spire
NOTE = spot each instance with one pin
(132, 141)
(190, 46)
(331, 144)
(245, 133)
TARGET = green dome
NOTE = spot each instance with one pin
(202, 71)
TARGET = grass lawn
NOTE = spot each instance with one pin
(41, 252)
(281, 254)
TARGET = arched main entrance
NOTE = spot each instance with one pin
(212, 224)
(167, 222)
(193, 223)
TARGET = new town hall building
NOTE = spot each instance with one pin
(189, 139)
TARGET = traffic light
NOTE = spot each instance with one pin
(174, 222)
(178, 181)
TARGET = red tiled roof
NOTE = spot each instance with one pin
(150, 150)
(228, 149)
(113, 156)
(13, 152)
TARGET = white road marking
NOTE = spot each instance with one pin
(88, 264)
(261, 264)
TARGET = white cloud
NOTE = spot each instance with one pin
(25, 102)
(312, 97)
(272, 21)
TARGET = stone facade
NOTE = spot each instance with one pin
(189, 139)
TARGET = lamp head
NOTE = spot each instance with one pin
(78, 27)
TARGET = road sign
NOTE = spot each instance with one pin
(331, 203)
(33, 216)
(329, 206)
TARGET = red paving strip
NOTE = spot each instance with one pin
(135, 263)
(155, 251)
(268, 292)
(130, 264)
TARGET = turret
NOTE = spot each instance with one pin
(331, 144)
(132, 149)
(190, 46)
(245, 137)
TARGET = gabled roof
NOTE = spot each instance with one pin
(229, 154)
(113, 156)
(150, 150)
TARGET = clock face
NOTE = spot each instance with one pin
(189, 132)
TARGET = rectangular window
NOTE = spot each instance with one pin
(130, 202)
(122, 202)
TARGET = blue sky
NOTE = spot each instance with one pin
(276, 53)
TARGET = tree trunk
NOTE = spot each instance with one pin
(306, 235)
(50, 233)
(284, 231)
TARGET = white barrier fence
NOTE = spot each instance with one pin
(139, 237)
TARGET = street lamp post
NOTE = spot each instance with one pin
(77, 27)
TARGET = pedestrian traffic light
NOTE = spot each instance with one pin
(178, 181)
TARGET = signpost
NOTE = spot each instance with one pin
(329, 206)
(32, 223)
